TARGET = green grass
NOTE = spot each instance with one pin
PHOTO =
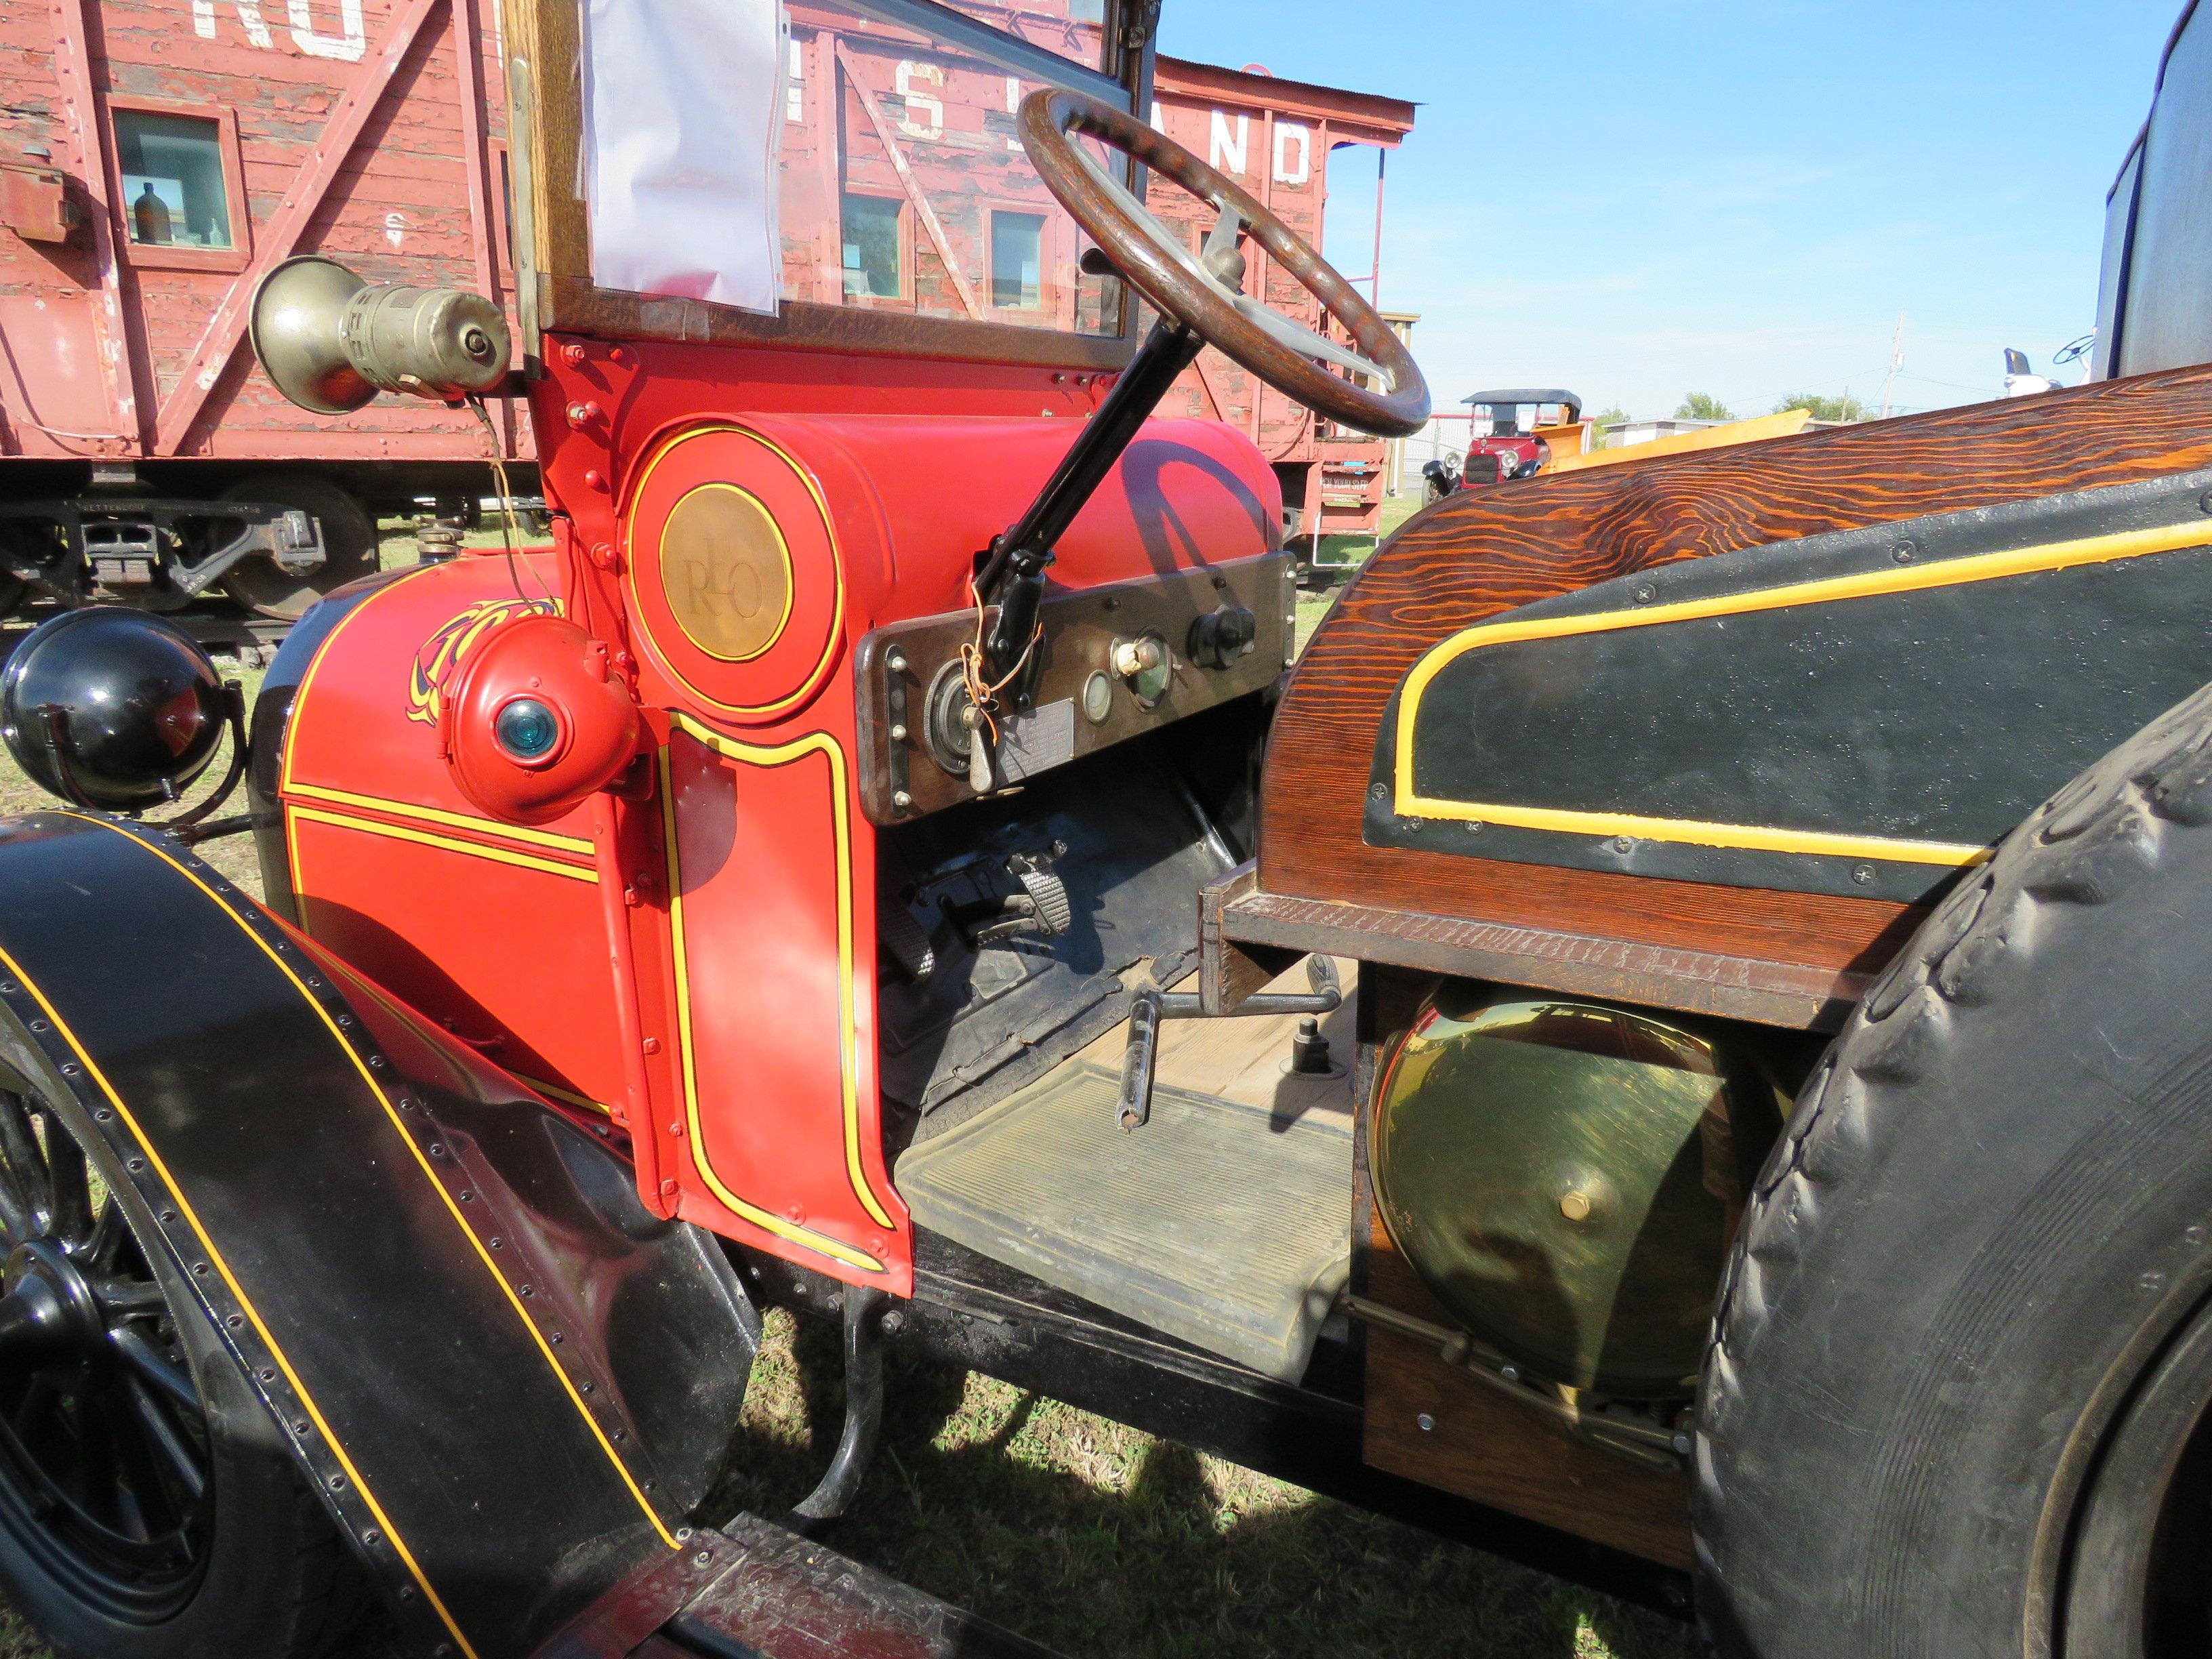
(1089, 1536)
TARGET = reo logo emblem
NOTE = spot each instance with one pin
(726, 572)
(442, 654)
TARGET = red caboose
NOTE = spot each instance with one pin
(163, 155)
(159, 158)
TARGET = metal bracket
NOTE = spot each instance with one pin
(54, 729)
(1133, 1107)
(1654, 1445)
(864, 1413)
(897, 738)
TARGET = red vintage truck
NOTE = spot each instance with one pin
(158, 157)
(875, 863)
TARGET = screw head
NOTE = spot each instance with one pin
(1426, 1424)
(1863, 873)
(1575, 1206)
(1906, 552)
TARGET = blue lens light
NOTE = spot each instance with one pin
(526, 729)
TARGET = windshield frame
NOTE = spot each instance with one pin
(551, 237)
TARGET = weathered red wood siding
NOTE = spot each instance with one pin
(1274, 137)
(397, 207)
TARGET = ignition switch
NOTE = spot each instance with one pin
(1143, 661)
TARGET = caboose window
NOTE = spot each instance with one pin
(1016, 258)
(174, 192)
(907, 146)
(868, 156)
(874, 261)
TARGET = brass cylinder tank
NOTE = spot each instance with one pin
(1564, 1176)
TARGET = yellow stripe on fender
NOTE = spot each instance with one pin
(444, 843)
(429, 1175)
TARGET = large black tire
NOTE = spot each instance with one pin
(252, 1569)
(349, 544)
(1955, 1394)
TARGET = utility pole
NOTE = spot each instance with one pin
(1896, 362)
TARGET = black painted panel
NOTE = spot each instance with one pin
(1937, 716)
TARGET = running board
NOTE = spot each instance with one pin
(754, 1590)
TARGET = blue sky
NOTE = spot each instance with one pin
(1643, 198)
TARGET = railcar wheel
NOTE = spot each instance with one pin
(1958, 1396)
(349, 545)
(147, 1506)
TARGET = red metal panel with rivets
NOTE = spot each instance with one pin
(747, 866)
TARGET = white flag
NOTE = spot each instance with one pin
(683, 110)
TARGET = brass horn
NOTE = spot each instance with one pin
(330, 342)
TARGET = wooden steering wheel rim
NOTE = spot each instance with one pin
(1047, 118)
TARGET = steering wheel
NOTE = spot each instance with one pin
(1199, 290)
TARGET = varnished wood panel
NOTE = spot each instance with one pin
(1482, 551)
(1487, 1448)
(1696, 982)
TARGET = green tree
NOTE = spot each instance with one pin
(1703, 406)
(1604, 420)
(1845, 408)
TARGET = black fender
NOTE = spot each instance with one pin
(510, 1384)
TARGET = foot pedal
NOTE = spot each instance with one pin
(902, 936)
(1047, 893)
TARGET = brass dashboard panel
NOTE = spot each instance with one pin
(1064, 715)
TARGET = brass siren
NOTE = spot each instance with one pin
(330, 342)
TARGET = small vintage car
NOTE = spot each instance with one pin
(1503, 443)
(1669, 1045)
